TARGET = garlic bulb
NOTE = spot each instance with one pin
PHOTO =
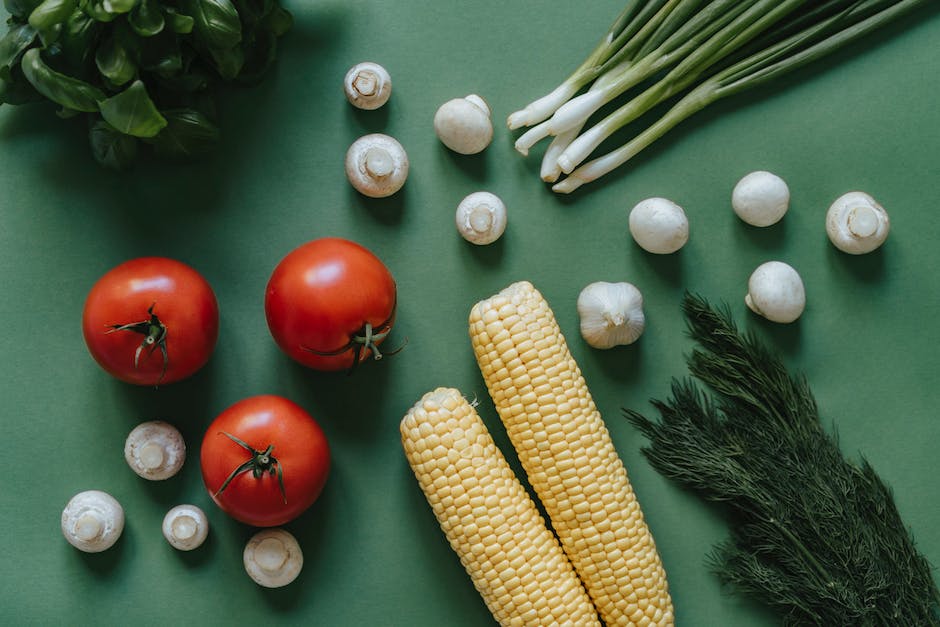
(611, 314)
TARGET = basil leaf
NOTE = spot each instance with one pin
(17, 39)
(228, 62)
(114, 62)
(216, 22)
(61, 89)
(110, 147)
(132, 112)
(76, 44)
(118, 7)
(51, 13)
(179, 23)
(96, 10)
(146, 19)
(188, 133)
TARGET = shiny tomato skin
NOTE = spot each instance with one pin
(182, 300)
(322, 294)
(300, 448)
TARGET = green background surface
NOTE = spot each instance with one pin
(866, 119)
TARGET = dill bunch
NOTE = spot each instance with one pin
(813, 534)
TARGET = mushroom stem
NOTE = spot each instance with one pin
(366, 82)
(481, 219)
(863, 221)
(378, 162)
(88, 526)
(271, 554)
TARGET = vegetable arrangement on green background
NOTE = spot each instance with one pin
(139, 70)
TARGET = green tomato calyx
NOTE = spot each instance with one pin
(258, 464)
(155, 334)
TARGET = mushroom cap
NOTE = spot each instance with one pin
(273, 558)
(481, 218)
(611, 314)
(775, 291)
(155, 450)
(185, 527)
(367, 85)
(92, 521)
(464, 125)
(857, 224)
(761, 198)
(376, 165)
(659, 226)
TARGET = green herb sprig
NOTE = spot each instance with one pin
(141, 71)
(812, 534)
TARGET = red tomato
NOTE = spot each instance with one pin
(330, 303)
(264, 460)
(151, 321)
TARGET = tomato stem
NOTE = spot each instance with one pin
(259, 463)
(155, 334)
(368, 337)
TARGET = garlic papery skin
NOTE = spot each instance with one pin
(856, 224)
(273, 558)
(775, 291)
(761, 198)
(376, 165)
(611, 314)
(155, 450)
(464, 125)
(92, 521)
(367, 85)
(185, 527)
(659, 226)
(481, 218)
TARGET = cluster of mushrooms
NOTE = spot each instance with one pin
(93, 521)
(611, 314)
(377, 164)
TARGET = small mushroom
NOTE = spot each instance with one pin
(376, 165)
(775, 291)
(611, 314)
(481, 218)
(92, 521)
(659, 226)
(856, 223)
(273, 558)
(185, 527)
(367, 85)
(464, 125)
(155, 450)
(761, 198)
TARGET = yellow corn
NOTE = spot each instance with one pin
(567, 453)
(512, 557)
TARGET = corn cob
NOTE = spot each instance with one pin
(489, 519)
(567, 453)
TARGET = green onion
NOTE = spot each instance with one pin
(698, 51)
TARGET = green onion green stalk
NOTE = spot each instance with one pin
(692, 52)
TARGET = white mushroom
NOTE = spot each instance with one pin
(775, 291)
(273, 558)
(92, 521)
(659, 226)
(611, 314)
(185, 527)
(367, 85)
(481, 218)
(376, 165)
(856, 223)
(155, 450)
(761, 198)
(464, 125)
